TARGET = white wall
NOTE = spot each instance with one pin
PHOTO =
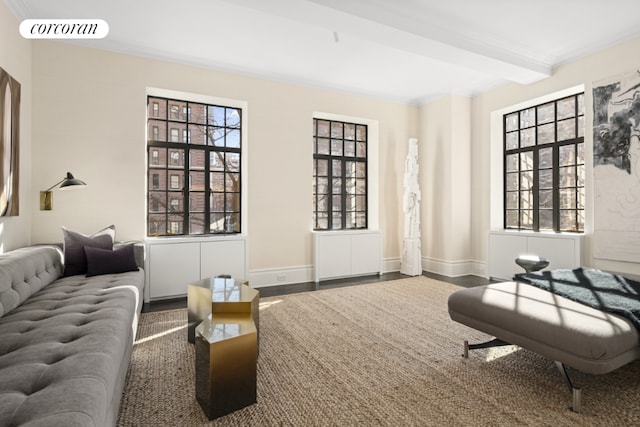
(609, 62)
(15, 59)
(89, 118)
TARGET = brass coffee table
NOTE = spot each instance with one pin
(223, 321)
(219, 295)
(226, 364)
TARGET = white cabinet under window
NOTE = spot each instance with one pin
(562, 251)
(173, 263)
(347, 253)
(171, 267)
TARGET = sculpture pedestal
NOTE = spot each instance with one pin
(411, 263)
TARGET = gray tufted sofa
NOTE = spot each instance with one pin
(65, 342)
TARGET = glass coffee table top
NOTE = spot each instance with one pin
(227, 289)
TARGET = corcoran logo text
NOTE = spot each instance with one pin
(64, 29)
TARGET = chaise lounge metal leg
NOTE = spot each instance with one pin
(492, 343)
(576, 393)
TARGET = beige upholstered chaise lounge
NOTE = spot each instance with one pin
(568, 332)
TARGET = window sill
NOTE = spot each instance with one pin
(192, 239)
(539, 233)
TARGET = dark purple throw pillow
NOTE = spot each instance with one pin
(75, 260)
(105, 261)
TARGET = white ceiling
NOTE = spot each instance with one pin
(403, 50)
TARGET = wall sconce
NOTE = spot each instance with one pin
(68, 182)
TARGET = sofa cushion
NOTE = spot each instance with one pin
(64, 353)
(25, 271)
(104, 261)
(75, 260)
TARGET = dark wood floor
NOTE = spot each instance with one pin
(269, 291)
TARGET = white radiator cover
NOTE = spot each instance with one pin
(562, 250)
(172, 263)
(346, 253)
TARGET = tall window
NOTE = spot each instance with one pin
(339, 175)
(544, 166)
(194, 183)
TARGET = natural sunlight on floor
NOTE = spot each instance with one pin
(267, 304)
(498, 352)
(160, 335)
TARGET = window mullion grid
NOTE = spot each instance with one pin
(575, 178)
(338, 174)
(536, 188)
(519, 171)
(343, 178)
(505, 174)
(575, 162)
(166, 167)
(555, 169)
(366, 180)
(208, 195)
(318, 196)
(555, 179)
(165, 191)
(329, 193)
(366, 194)
(556, 188)
(343, 193)
(186, 212)
(240, 184)
(225, 217)
(222, 152)
(186, 149)
(316, 222)
(504, 171)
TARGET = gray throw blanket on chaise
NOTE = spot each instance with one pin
(603, 291)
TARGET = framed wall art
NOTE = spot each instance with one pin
(9, 144)
(616, 167)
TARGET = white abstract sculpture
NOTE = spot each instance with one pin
(411, 263)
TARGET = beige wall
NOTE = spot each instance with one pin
(609, 62)
(445, 144)
(15, 58)
(89, 118)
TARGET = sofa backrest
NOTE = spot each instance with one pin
(25, 271)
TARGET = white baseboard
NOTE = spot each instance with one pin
(391, 265)
(454, 268)
(300, 274)
(304, 273)
(280, 276)
(438, 266)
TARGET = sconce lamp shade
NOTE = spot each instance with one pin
(71, 182)
(67, 183)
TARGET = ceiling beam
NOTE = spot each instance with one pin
(378, 22)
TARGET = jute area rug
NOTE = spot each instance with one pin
(381, 354)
